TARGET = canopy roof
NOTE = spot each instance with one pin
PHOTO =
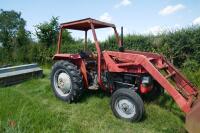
(84, 24)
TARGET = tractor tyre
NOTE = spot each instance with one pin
(126, 104)
(66, 81)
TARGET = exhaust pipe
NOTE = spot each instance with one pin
(121, 49)
(122, 37)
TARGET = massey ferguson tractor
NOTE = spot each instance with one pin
(126, 74)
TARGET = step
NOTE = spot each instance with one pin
(93, 87)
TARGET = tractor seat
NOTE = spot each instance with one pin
(121, 49)
(84, 55)
(88, 55)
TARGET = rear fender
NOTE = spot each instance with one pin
(66, 57)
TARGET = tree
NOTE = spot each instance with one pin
(47, 32)
(66, 37)
(12, 29)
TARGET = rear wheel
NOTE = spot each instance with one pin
(66, 81)
(127, 104)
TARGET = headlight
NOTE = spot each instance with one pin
(146, 80)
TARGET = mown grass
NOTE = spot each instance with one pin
(31, 107)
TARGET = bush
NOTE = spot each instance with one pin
(179, 47)
(191, 69)
(191, 65)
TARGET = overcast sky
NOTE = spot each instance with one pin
(137, 16)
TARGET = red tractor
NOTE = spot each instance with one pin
(126, 74)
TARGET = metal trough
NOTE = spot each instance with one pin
(17, 74)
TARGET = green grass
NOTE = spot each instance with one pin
(31, 107)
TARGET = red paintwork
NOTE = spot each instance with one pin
(145, 89)
(82, 67)
(66, 56)
(183, 92)
(85, 24)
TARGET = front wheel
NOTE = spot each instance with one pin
(127, 104)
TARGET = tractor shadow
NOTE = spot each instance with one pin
(93, 93)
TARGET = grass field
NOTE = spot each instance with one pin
(32, 107)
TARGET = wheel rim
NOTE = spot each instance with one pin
(125, 108)
(62, 82)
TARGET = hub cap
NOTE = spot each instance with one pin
(125, 108)
(62, 82)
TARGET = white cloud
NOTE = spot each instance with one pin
(105, 17)
(123, 3)
(171, 9)
(177, 25)
(156, 30)
(196, 21)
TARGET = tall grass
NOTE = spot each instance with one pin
(32, 107)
